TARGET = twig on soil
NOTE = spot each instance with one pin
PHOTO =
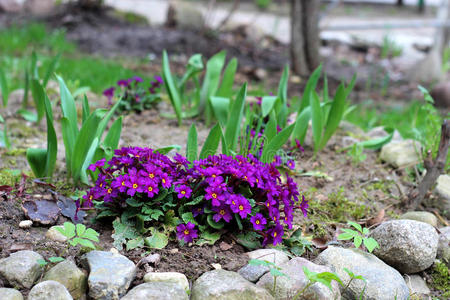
(440, 218)
(434, 169)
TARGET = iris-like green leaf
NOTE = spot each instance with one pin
(171, 87)
(51, 68)
(212, 78)
(316, 118)
(226, 86)
(221, 107)
(212, 142)
(276, 143)
(4, 88)
(335, 115)
(192, 144)
(235, 118)
(309, 88)
(267, 104)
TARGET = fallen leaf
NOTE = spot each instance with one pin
(41, 211)
(225, 246)
(377, 219)
(69, 209)
(319, 243)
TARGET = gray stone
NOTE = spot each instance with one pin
(421, 216)
(55, 235)
(443, 252)
(272, 255)
(21, 268)
(376, 133)
(401, 154)
(184, 15)
(25, 224)
(157, 291)
(10, 294)
(348, 141)
(173, 277)
(288, 286)
(226, 285)
(253, 273)
(110, 274)
(49, 290)
(443, 190)
(417, 286)
(69, 275)
(382, 282)
(351, 128)
(407, 245)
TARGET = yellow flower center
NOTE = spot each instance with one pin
(257, 180)
(90, 197)
(163, 180)
(150, 189)
(241, 207)
(186, 232)
(234, 203)
(123, 183)
(101, 184)
(109, 190)
(213, 175)
(183, 192)
(151, 175)
(222, 212)
(135, 186)
(257, 222)
(268, 204)
(245, 177)
(274, 234)
(274, 218)
(214, 195)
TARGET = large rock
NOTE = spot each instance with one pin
(272, 255)
(10, 6)
(401, 154)
(157, 291)
(110, 274)
(69, 275)
(407, 245)
(382, 282)
(417, 286)
(173, 277)
(10, 294)
(253, 273)
(288, 286)
(184, 15)
(49, 290)
(21, 268)
(443, 190)
(443, 252)
(421, 216)
(226, 285)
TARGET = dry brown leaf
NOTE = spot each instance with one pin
(377, 219)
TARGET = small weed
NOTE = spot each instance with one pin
(359, 237)
(79, 235)
(441, 279)
(274, 270)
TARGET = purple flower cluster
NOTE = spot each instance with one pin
(232, 190)
(132, 172)
(134, 95)
(244, 187)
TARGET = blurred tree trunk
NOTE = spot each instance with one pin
(399, 2)
(305, 41)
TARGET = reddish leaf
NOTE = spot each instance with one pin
(5, 188)
(377, 219)
(41, 211)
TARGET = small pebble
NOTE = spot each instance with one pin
(114, 250)
(173, 251)
(216, 266)
(25, 224)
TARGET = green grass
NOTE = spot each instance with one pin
(17, 44)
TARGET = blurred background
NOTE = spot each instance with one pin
(392, 45)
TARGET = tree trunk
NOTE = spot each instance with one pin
(399, 2)
(305, 40)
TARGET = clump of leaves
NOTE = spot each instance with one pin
(326, 278)
(295, 244)
(352, 278)
(51, 260)
(274, 270)
(441, 279)
(79, 235)
(359, 237)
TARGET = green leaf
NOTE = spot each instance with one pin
(267, 105)
(188, 217)
(41, 262)
(158, 240)
(68, 108)
(238, 221)
(377, 143)
(316, 118)
(212, 142)
(27, 115)
(357, 241)
(220, 107)
(86, 109)
(4, 88)
(271, 128)
(426, 94)
(335, 115)
(113, 136)
(370, 244)
(133, 202)
(135, 243)
(68, 230)
(282, 87)
(36, 158)
(84, 243)
(260, 262)
(196, 201)
(249, 240)
(212, 77)
(365, 231)
(356, 225)
(275, 272)
(208, 238)
(309, 88)
(106, 214)
(51, 68)
(56, 259)
(275, 144)
(235, 119)
(192, 144)
(301, 126)
(226, 86)
(80, 229)
(171, 87)
(167, 149)
(91, 234)
(69, 142)
(345, 236)
(122, 233)
(38, 94)
(214, 224)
